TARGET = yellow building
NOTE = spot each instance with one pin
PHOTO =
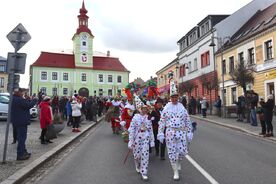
(163, 77)
(254, 45)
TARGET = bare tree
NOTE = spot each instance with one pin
(210, 83)
(243, 75)
(187, 87)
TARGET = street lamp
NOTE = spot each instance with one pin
(221, 42)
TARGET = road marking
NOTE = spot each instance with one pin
(201, 170)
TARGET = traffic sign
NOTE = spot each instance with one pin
(16, 62)
(18, 37)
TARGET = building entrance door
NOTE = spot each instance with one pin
(84, 92)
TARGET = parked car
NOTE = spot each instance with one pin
(4, 107)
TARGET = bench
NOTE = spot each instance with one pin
(230, 110)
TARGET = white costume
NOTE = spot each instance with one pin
(140, 137)
(178, 126)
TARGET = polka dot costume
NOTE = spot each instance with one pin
(177, 123)
(141, 137)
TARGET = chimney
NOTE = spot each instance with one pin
(108, 53)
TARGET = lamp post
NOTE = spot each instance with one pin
(221, 42)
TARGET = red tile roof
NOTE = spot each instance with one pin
(61, 60)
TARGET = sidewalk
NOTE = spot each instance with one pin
(14, 171)
(240, 126)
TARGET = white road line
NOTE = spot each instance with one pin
(201, 170)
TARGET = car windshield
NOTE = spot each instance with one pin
(4, 99)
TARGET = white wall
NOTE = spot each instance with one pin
(195, 52)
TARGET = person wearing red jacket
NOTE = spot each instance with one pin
(46, 118)
(127, 114)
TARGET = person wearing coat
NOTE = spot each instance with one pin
(76, 113)
(155, 117)
(69, 112)
(46, 118)
(20, 118)
(268, 115)
(140, 138)
(176, 120)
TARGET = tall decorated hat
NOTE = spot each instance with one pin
(173, 89)
(138, 102)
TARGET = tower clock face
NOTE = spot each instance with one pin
(84, 36)
(84, 57)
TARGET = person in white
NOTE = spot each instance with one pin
(176, 120)
(76, 114)
(140, 137)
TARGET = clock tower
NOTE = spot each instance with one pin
(83, 41)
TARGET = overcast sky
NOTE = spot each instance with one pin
(143, 34)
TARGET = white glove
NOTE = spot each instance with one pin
(130, 145)
(161, 138)
(152, 144)
(152, 118)
(122, 123)
(190, 136)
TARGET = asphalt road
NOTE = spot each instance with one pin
(226, 155)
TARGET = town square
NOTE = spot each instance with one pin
(119, 92)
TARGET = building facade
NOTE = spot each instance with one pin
(163, 78)
(197, 69)
(254, 46)
(3, 75)
(79, 71)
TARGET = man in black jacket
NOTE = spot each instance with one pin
(155, 117)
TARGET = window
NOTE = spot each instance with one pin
(190, 66)
(182, 70)
(205, 59)
(43, 76)
(2, 68)
(54, 76)
(234, 95)
(54, 91)
(202, 30)
(83, 43)
(268, 50)
(231, 64)
(109, 78)
(223, 67)
(241, 58)
(83, 77)
(100, 92)
(65, 91)
(119, 79)
(43, 90)
(110, 92)
(65, 76)
(100, 77)
(195, 64)
(207, 27)
(2, 82)
(251, 58)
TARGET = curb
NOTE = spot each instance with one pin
(26, 171)
(233, 127)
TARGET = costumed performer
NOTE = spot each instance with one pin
(140, 137)
(176, 120)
